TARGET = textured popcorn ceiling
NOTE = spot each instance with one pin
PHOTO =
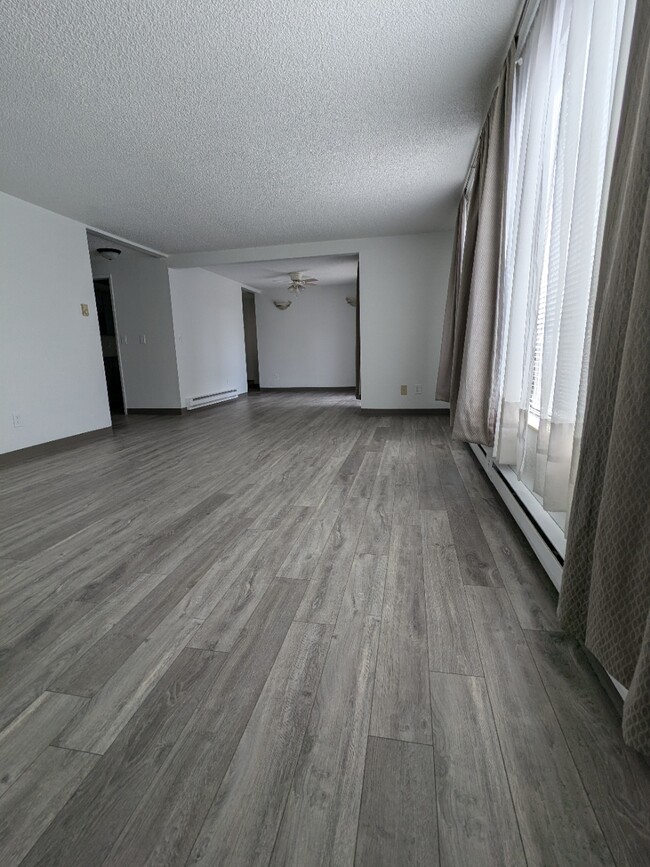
(203, 124)
(273, 277)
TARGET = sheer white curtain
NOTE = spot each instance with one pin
(564, 85)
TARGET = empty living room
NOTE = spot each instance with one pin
(324, 453)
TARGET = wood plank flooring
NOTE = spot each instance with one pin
(282, 632)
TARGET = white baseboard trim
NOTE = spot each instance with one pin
(544, 536)
(546, 541)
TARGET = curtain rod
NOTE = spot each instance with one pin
(521, 31)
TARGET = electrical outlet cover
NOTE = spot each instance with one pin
(403, 389)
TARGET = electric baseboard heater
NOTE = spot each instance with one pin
(208, 399)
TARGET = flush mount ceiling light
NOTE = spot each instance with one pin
(351, 301)
(299, 281)
(109, 253)
(282, 305)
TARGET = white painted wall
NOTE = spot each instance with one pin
(403, 287)
(142, 302)
(312, 344)
(209, 329)
(51, 369)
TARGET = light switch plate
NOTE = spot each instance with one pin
(403, 389)
(84, 310)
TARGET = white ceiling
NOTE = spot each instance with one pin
(273, 277)
(213, 125)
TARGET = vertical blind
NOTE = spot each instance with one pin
(563, 92)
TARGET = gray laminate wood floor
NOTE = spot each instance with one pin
(281, 632)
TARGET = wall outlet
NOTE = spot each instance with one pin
(403, 389)
(418, 389)
(143, 338)
(17, 419)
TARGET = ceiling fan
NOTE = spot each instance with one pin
(299, 281)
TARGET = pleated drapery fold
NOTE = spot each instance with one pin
(605, 593)
(470, 334)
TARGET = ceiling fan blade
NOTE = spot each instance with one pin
(271, 274)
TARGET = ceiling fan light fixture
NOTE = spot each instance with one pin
(299, 281)
(282, 305)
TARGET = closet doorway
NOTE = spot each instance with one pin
(110, 348)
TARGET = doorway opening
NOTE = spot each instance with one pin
(108, 333)
(301, 322)
(250, 340)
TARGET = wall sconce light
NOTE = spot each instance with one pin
(351, 301)
(282, 305)
(109, 253)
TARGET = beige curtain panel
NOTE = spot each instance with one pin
(469, 339)
(605, 596)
